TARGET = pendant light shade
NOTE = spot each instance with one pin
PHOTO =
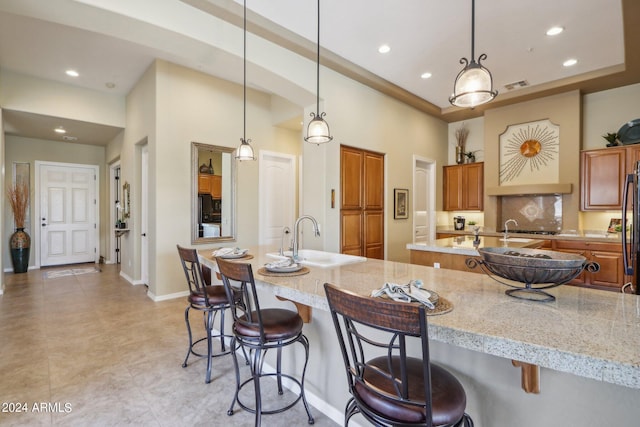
(474, 84)
(318, 129)
(244, 151)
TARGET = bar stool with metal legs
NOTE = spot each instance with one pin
(259, 330)
(388, 385)
(210, 300)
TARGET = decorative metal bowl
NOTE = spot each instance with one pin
(537, 269)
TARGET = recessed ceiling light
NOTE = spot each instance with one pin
(72, 73)
(60, 129)
(554, 31)
(425, 75)
(385, 48)
(570, 62)
(110, 85)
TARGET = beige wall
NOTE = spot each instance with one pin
(18, 149)
(361, 117)
(188, 106)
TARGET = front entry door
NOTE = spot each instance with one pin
(68, 209)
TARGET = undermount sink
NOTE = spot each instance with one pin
(320, 258)
(516, 240)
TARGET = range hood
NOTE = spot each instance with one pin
(518, 190)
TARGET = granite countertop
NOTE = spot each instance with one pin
(585, 332)
(467, 245)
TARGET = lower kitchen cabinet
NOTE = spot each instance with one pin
(607, 255)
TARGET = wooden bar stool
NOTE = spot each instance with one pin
(388, 387)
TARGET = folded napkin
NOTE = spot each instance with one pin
(405, 293)
(229, 251)
(288, 262)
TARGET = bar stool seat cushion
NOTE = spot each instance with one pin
(216, 295)
(448, 396)
(279, 324)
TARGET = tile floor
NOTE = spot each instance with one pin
(90, 349)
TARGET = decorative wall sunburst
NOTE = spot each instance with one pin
(531, 145)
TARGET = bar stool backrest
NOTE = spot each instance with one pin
(237, 278)
(374, 328)
(193, 270)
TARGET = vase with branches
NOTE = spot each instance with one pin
(20, 241)
(461, 137)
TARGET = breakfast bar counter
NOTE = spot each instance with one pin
(586, 333)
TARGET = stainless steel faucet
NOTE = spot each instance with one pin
(506, 227)
(296, 237)
(285, 231)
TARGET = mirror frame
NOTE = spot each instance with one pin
(195, 169)
(126, 198)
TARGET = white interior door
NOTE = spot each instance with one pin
(144, 215)
(424, 221)
(277, 196)
(68, 212)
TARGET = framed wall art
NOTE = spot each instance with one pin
(400, 203)
(529, 153)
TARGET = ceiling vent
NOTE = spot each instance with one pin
(69, 138)
(516, 85)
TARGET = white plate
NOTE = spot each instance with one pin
(288, 269)
(233, 255)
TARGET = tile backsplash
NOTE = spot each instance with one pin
(532, 212)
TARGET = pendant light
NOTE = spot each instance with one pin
(244, 151)
(474, 84)
(318, 129)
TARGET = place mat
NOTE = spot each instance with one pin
(443, 306)
(265, 272)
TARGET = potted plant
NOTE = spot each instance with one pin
(20, 241)
(471, 156)
(612, 138)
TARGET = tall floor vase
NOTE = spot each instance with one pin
(20, 244)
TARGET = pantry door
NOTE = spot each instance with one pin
(68, 209)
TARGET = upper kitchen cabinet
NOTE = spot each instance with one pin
(603, 174)
(210, 184)
(463, 187)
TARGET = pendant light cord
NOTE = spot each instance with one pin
(244, 71)
(318, 66)
(473, 29)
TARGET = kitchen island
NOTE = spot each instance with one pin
(587, 343)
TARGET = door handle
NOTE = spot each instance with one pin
(144, 234)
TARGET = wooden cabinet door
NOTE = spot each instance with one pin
(351, 175)
(452, 183)
(633, 156)
(603, 173)
(351, 232)
(216, 186)
(204, 184)
(373, 181)
(374, 234)
(362, 207)
(611, 272)
(473, 186)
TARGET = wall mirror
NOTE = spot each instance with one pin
(213, 193)
(126, 200)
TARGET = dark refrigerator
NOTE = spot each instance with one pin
(631, 219)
